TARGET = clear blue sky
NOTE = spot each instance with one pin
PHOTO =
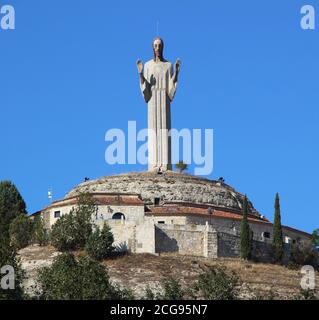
(68, 74)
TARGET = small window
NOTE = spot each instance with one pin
(118, 216)
(161, 222)
(57, 214)
(157, 201)
(266, 235)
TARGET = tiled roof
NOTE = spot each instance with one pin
(103, 199)
(182, 210)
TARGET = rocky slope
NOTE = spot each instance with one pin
(169, 187)
(136, 272)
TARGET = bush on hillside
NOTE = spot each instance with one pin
(72, 230)
(20, 231)
(100, 243)
(39, 233)
(216, 284)
(304, 254)
(83, 279)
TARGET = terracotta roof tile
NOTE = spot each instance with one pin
(181, 210)
(103, 199)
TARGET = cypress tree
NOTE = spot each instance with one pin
(245, 233)
(315, 237)
(278, 246)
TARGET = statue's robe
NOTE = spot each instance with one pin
(159, 91)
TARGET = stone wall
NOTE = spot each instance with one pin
(183, 239)
(104, 213)
(145, 236)
(195, 240)
(228, 245)
(232, 227)
(203, 240)
(131, 236)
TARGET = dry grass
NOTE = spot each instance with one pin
(137, 271)
(149, 269)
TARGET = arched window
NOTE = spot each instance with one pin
(118, 216)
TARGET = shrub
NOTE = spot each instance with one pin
(85, 279)
(172, 290)
(20, 231)
(304, 254)
(216, 284)
(307, 294)
(257, 294)
(11, 206)
(100, 243)
(39, 234)
(63, 233)
(8, 257)
(149, 294)
(72, 230)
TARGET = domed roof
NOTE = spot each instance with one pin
(170, 187)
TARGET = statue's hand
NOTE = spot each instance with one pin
(139, 64)
(178, 65)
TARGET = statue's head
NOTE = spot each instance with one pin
(158, 48)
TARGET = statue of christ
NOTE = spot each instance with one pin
(158, 82)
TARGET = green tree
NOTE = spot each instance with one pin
(20, 231)
(8, 257)
(11, 205)
(245, 233)
(278, 245)
(216, 284)
(181, 166)
(85, 279)
(315, 237)
(304, 254)
(72, 230)
(100, 243)
(39, 233)
(172, 290)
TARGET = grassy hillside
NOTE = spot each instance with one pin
(138, 271)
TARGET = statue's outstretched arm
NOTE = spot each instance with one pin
(173, 80)
(144, 84)
(177, 69)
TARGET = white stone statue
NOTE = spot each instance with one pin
(158, 82)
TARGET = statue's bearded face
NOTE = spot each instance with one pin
(158, 48)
